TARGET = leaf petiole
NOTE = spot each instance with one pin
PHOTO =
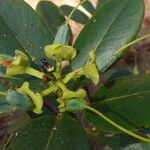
(123, 49)
(117, 126)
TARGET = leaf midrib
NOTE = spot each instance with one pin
(121, 97)
(109, 28)
(52, 131)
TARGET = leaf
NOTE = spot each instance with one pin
(63, 35)
(26, 27)
(8, 42)
(88, 6)
(34, 135)
(9, 83)
(51, 15)
(64, 133)
(14, 101)
(101, 2)
(113, 25)
(77, 16)
(20, 122)
(125, 101)
(137, 146)
(123, 88)
(18, 101)
(115, 141)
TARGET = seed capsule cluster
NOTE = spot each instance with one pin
(68, 100)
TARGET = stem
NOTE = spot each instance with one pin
(58, 68)
(34, 72)
(7, 142)
(70, 15)
(49, 90)
(62, 85)
(118, 126)
(124, 48)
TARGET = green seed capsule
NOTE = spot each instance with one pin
(71, 94)
(18, 65)
(91, 72)
(60, 52)
(75, 105)
(20, 61)
(36, 97)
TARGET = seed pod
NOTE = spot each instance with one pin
(20, 61)
(35, 97)
(91, 72)
(71, 94)
(75, 105)
(18, 65)
(60, 52)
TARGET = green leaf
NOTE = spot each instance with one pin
(137, 146)
(125, 101)
(123, 88)
(9, 83)
(14, 101)
(35, 135)
(101, 2)
(8, 42)
(18, 101)
(88, 6)
(64, 133)
(26, 27)
(63, 35)
(51, 15)
(77, 16)
(113, 25)
(20, 122)
(115, 141)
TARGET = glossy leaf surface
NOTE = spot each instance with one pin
(51, 15)
(47, 133)
(125, 101)
(26, 26)
(113, 25)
